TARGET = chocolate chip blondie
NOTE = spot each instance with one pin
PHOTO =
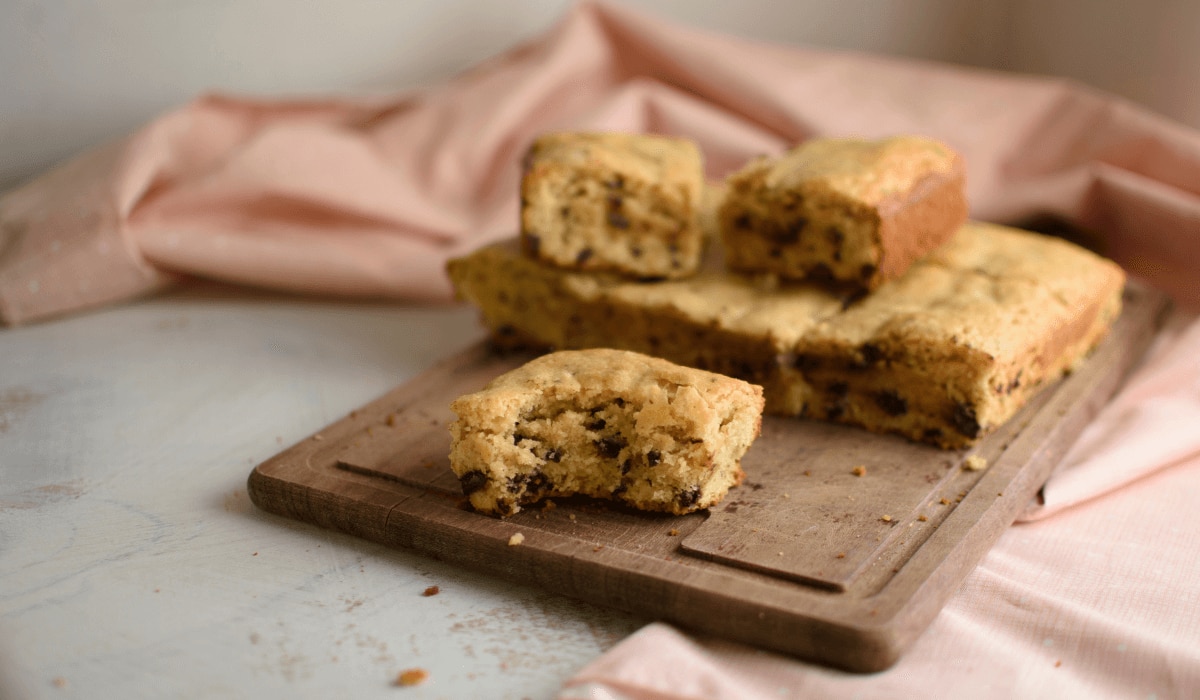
(847, 212)
(627, 203)
(943, 355)
(604, 423)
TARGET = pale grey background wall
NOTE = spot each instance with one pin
(74, 73)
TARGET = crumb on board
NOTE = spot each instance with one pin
(860, 470)
(59, 682)
(391, 420)
(572, 517)
(922, 517)
(410, 677)
(807, 472)
(672, 532)
(975, 463)
(787, 495)
(549, 506)
(318, 437)
(945, 501)
(841, 555)
(516, 539)
(432, 590)
(886, 518)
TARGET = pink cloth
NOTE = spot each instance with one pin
(368, 198)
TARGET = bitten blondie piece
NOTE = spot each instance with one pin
(943, 355)
(607, 424)
(627, 203)
(848, 212)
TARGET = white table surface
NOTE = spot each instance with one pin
(132, 563)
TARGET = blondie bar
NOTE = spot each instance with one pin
(846, 212)
(607, 424)
(943, 355)
(627, 203)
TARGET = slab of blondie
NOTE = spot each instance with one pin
(943, 355)
(607, 424)
(848, 212)
(627, 203)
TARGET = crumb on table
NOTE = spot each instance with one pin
(975, 463)
(412, 676)
(516, 539)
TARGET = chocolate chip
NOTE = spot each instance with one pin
(597, 424)
(835, 411)
(820, 273)
(932, 434)
(867, 271)
(775, 253)
(653, 457)
(635, 252)
(964, 420)
(620, 402)
(1015, 383)
(472, 481)
(835, 235)
(618, 220)
(791, 234)
(853, 298)
(651, 278)
(807, 363)
(584, 256)
(565, 212)
(616, 182)
(532, 244)
(537, 483)
(839, 389)
(554, 456)
(518, 437)
(892, 403)
(870, 353)
(610, 447)
(621, 488)
(688, 498)
(505, 331)
(742, 221)
(626, 466)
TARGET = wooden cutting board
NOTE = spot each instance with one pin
(805, 558)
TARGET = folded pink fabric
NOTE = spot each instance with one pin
(369, 197)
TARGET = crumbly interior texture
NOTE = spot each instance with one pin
(604, 423)
(626, 203)
(848, 212)
(942, 355)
